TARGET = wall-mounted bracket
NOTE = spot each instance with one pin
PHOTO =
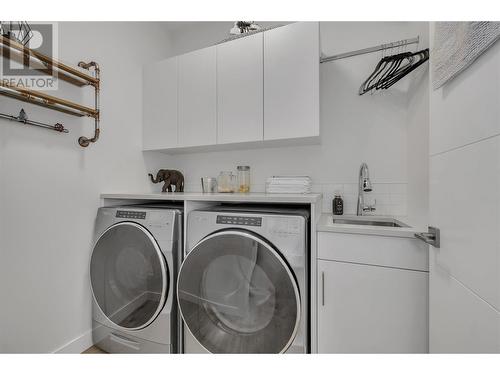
(432, 237)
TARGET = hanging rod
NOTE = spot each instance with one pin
(380, 47)
(23, 118)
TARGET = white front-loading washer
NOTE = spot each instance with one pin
(133, 270)
(242, 287)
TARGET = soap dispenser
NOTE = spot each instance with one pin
(338, 204)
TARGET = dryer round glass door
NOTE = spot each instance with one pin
(128, 275)
(237, 295)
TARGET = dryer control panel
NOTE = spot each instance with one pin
(131, 214)
(239, 220)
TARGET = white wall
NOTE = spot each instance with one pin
(50, 186)
(418, 154)
(417, 145)
(371, 128)
(465, 204)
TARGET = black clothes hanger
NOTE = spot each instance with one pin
(383, 67)
(391, 69)
(406, 57)
(364, 88)
(421, 57)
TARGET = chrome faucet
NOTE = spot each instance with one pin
(365, 185)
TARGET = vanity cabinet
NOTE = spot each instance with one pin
(291, 81)
(240, 90)
(159, 116)
(372, 294)
(197, 115)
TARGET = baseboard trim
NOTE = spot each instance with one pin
(77, 345)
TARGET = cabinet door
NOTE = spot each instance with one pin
(197, 98)
(159, 110)
(371, 309)
(291, 81)
(240, 90)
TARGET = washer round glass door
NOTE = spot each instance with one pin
(237, 295)
(128, 275)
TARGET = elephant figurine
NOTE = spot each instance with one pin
(169, 177)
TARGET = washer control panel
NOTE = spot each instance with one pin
(131, 214)
(239, 220)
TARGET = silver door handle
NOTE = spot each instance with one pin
(432, 237)
(322, 289)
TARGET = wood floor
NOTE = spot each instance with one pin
(94, 350)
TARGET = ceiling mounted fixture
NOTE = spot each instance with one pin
(241, 27)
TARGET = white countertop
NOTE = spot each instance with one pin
(220, 197)
(326, 224)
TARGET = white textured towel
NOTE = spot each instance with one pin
(457, 45)
(289, 184)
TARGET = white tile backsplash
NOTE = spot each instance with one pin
(397, 188)
(390, 197)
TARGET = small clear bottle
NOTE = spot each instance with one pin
(243, 179)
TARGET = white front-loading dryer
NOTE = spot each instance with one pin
(133, 270)
(242, 287)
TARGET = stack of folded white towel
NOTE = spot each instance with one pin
(289, 184)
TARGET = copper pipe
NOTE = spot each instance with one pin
(39, 66)
(49, 99)
(39, 102)
(46, 64)
(84, 141)
(50, 62)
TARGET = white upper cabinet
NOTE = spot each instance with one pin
(240, 90)
(159, 115)
(291, 81)
(260, 87)
(197, 98)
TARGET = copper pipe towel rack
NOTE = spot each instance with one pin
(13, 50)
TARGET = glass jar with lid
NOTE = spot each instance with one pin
(243, 179)
(226, 182)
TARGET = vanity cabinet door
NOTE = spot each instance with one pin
(197, 98)
(371, 309)
(291, 81)
(159, 116)
(240, 90)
